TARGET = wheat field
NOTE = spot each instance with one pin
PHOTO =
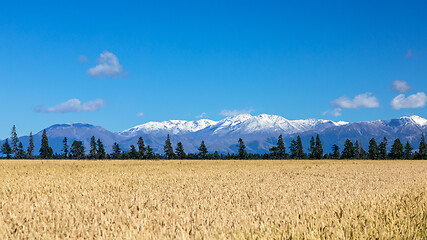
(57, 199)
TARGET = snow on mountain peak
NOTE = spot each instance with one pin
(172, 126)
(417, 120)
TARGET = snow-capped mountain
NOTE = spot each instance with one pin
(259, 132)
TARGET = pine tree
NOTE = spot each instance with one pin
(311, 148)
(318, 149)
(150, 153)
(45, 151)
(116, 150)
(422, 150)
(77, 149)
(362, 153)
(20, 154)
(203, 150)
(6, 149)
(30, 149)
(281, 149)
(335, 152)
(348, 151)
(65, 147)
(408, 151)
(273, 152)
(216, 155)
(100, 150)
(133, 154)
(92, 150)
(242, 149)
(373, 149)
(168, 150)
(293, 148)
(356, 149)
(141, 148)
(396, 149)
(179, 151)
(382, 149)
(300, 151)
(14, 141)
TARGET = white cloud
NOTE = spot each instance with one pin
(140, 114)
(412, 101)
(336, 112)
(364, 100)
(400, 86)
(74, 105)
(82, 58)
(108, 66)
(202, 115)
(235, 112)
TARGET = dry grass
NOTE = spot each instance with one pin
(213, 199)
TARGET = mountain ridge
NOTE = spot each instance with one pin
(259, 132)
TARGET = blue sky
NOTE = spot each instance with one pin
(108, 63)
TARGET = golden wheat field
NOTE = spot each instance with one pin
(56, 199)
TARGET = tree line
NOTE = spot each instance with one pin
(76, 150)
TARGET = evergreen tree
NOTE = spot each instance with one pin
(396, 149)
(141, 148)
(348, 151)
(20, 154)
(373, 149)
(293, 148)
(100, 150)
(382, 149)
(356, 149)
(422, 150)
(77, 149)
(311, 149)
(133, 154)
(273, 152)
(281, 149)
(92, 150)
(216, 155)
(65, 147)
(203, 150)
(179, 151)
(168, 148)
(300, 151)
(14, 141)
(45, 151)
(318, 149)
(6, 149)
(30, 149)
(335, 152)
(242, 149)
(362, 153)
(408, 150)
(116, 150)
(150, 154)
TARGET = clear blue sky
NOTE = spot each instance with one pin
(179, 59)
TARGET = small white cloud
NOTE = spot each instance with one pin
(235, 112)
(82, 58)
(364, 100)
(202, 115)
(400, 86)
(74, 105)
(108, 66)
(336, 112)
(140, 114)
(412, 101)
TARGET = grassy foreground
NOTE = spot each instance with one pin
(213, 199)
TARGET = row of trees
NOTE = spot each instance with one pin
(351, 150)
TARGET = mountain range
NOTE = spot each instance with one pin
(258, 132)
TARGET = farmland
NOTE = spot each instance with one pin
(213, 199)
